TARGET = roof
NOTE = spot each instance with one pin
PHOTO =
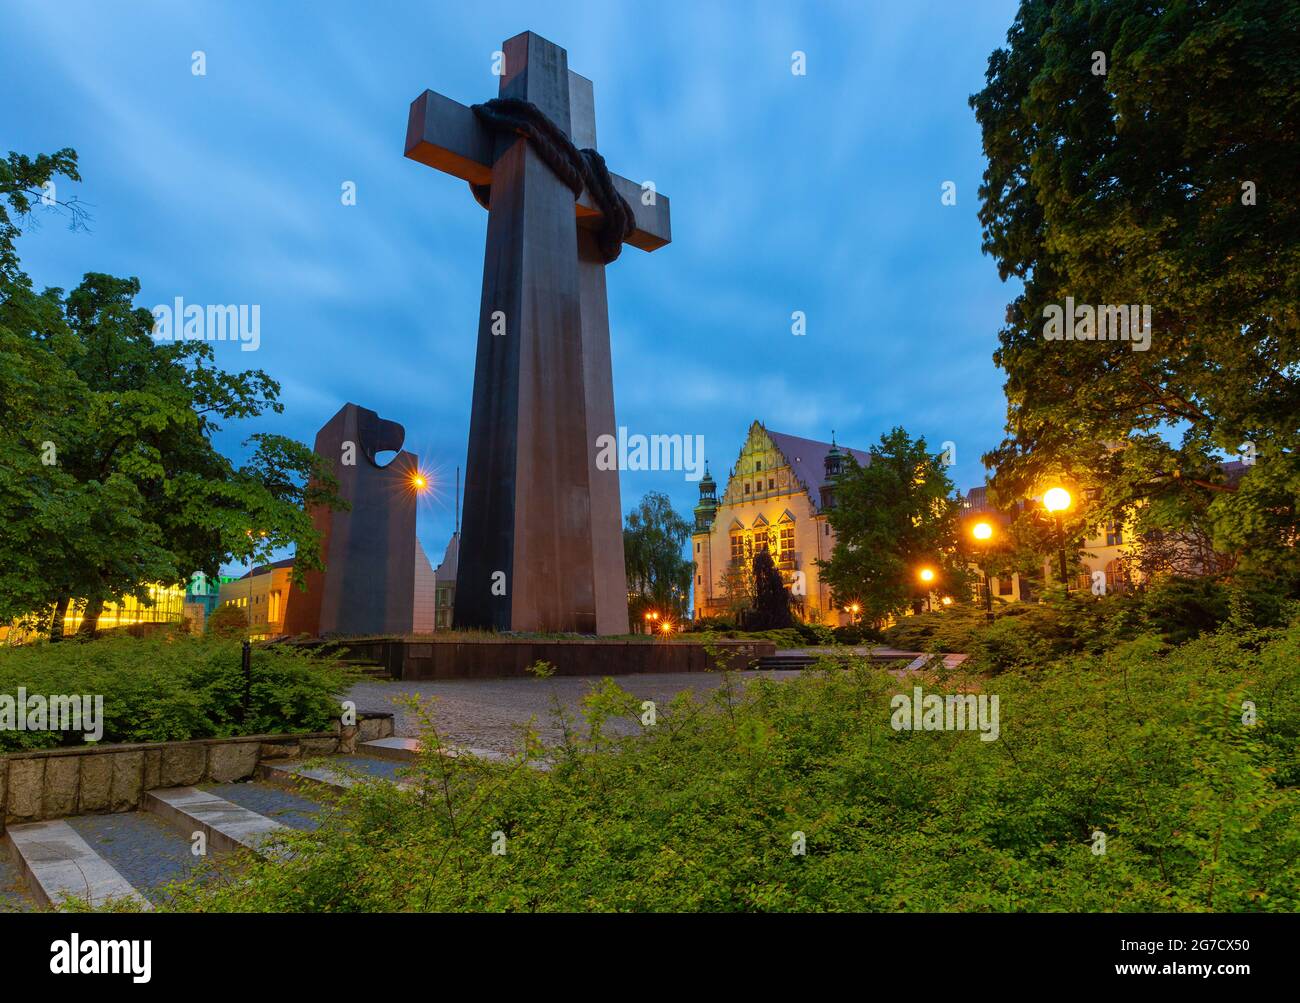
(264, 568)
(807, 458)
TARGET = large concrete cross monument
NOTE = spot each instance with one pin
(542, 542)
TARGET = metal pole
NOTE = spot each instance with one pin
(988, 597)
(1060, 539)
(247, 660)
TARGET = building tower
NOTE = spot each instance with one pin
(834, 466)
(708, 506)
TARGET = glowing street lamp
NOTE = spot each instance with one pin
(853, 609)
(983, 533)
(926, 575)
(1057, 501)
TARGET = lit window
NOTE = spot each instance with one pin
(1114, 535)
(737, 546)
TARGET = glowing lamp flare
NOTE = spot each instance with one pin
(927, 574)
(1056, 500)
(982, 531)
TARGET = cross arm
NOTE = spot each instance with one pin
(447, 135)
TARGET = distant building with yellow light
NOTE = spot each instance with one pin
(262, 594)
(776, 498)
(166, 604)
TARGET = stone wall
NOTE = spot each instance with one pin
(54, 783)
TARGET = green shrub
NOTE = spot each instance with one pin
(227, 621)
(699, 812)
(174, 687)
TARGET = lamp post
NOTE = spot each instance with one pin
(983, 533)
(926, 575)
(1057, 501)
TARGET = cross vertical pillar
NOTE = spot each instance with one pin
(609, 570)
(526, 558)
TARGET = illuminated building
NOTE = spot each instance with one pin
(776, 497)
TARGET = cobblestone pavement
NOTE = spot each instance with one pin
(487, 713)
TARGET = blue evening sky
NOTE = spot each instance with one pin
(818, 193)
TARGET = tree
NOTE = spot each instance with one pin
(1145, 154)
(738, 588)
(110, 480)
(771, 599)
(891, 518)
(658, 576)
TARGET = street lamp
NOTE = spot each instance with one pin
(926, 575)
(1057, 501)
(983, 533)
(853, 610)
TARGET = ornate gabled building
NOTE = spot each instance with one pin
(776, 497)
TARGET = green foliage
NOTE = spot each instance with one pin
(658, 577)
(227, 620)
(109, 480)
(1030, 635)
(173, 687)
(1130, 187)
(699, 811)
(891, 518)
(771, 598)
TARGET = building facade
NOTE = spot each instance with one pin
(445, 583)
(776, 497)
(262, 593)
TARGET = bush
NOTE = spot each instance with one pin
(1144, 743)
(716, 624)
(1175, 610)
(173, 687)
(227, 621)
(849, 634)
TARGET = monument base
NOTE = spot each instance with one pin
(460, 657)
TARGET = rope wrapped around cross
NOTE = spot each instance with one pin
(578, 169)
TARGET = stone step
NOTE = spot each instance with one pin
(59, 864)
(336, 773)
(145, 849)
(273, 801)
(228, 826)
(403, 750)
(407, 750)
(14, 896)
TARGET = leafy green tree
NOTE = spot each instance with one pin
(110, 480)
(891, 518)
(771, 598)
(658, 576)
(1146, 154)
